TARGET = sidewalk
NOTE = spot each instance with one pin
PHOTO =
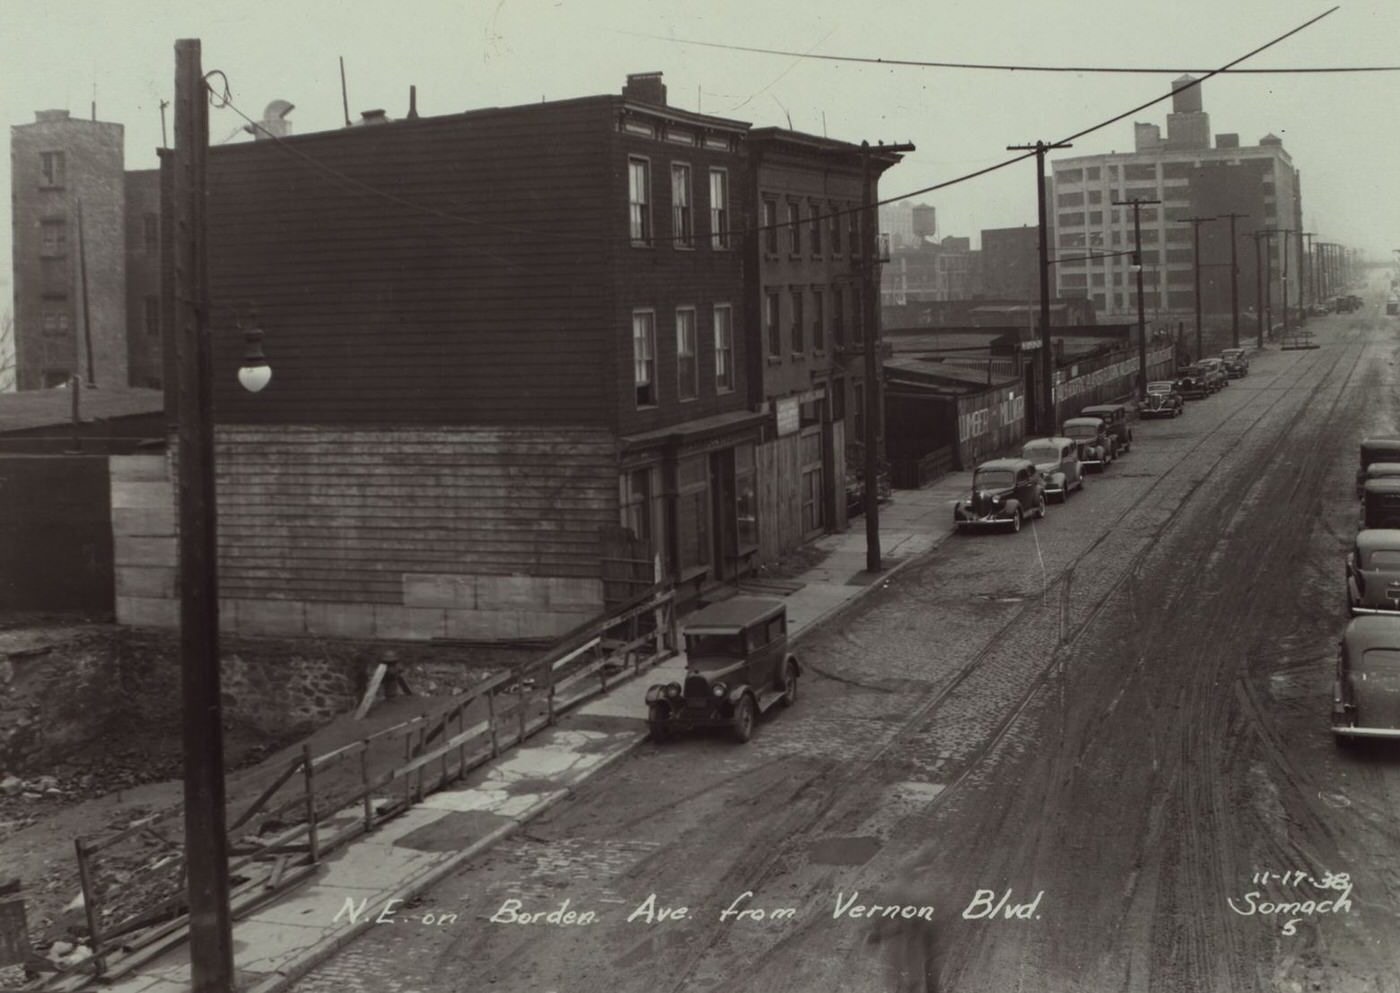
(291, 935)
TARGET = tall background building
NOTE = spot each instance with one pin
(1191, 179)
(69, 216)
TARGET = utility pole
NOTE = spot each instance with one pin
(874, 395)
(1263, 276)
(1196, 223)
(1137, 206)
(206, 835)
(1234, 281)
(1308, 276)
(1047, 369)
(1283, 276)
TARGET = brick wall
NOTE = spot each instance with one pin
(402, 534)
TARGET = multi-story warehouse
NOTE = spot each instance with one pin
(1190, 179)
(69, 216)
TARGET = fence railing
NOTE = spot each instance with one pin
(317, 803)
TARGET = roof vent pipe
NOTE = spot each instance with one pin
(413, 103)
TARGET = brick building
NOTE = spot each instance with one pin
(69, 241)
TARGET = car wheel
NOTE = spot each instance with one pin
(657, 724)
(745, 716)
(789, 683)
(1040, 508)
(1016, 521)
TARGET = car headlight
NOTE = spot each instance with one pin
(673, 690)
(718, 689)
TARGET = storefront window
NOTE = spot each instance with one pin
(693, 512)
(745, 496)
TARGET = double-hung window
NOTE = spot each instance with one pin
(770, 226)
(644, 357)
(798, 332)
(818, 319)
(52, 169)
(817, 222)
(772, 330)
(794, 227)
(682, 218)
(687, 361)
(639, 200)
(719, 208)
(724, 348)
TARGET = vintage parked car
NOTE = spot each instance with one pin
(1191, 382)
(1061, 472)
(1236, 362)
(1373, 572)
(1375, 450)
(1366, 691)
(1163, 400)
(1380, 503)
(737, 667)
(1004, 492)
(1092, 437)
(1115, 422)
(1216, 376)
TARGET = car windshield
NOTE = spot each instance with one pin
(1041, 451)
(1231, 354)
(1159, 387)
(727, 645)
(1082, 430)
(993, 479)
(1193, 370)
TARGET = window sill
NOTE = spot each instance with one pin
(799, 356)
(642, 244)
(775, 360)
(682, 247)
(723, 390)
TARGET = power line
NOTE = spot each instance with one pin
(999, 67)
(224, 99)
(1115, 119)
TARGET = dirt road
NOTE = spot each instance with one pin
(1092, 756)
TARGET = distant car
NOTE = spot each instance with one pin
(1366, 689)
(1004, 492)
(1115, 422)
(1236, 362)
(1216, 376)
(1346, 304)
(1373, 572)
(1191, 382)
(1061, 472)
(1163, 400)
(1092, 437)
(1375, 450)
(737, 666)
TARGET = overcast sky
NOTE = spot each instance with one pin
(1341, 130)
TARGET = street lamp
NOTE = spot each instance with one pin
(254, 373)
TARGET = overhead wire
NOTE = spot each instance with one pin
(224, 99)
(999, 67)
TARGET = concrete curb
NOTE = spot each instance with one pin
(319, 953)
(324, 950)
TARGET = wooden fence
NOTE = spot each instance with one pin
(318, 803)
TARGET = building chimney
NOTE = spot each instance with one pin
(413, 103)
(378, 116)
(1227, 141)
(50, 116)
(645, 87)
